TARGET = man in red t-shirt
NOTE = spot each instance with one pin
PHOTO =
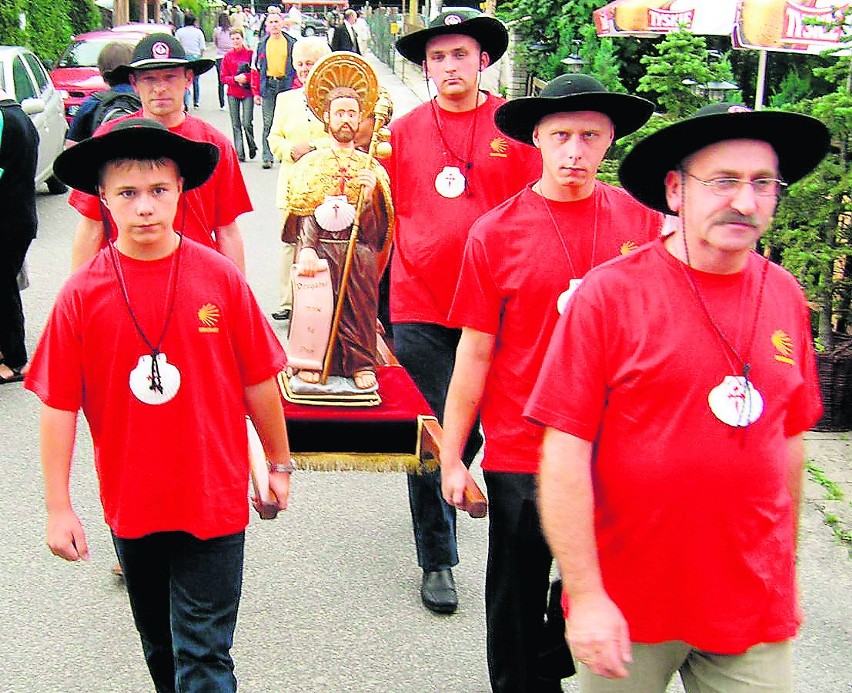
(160, 74)
(521, 262)
(161, 343)
(450, 165)
(675, 393)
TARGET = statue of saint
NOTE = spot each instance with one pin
(340, 212)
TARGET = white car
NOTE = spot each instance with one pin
(24, 78)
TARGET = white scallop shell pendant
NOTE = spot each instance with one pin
(735, 401)
(335, 214)
(140, 380)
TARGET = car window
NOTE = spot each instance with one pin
(24, 88)
(41, 78)
(82, 54)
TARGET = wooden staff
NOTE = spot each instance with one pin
(381, 113)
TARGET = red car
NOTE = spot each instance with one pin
(75, 74)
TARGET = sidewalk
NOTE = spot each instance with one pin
(829, 479)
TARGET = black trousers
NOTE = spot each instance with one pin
(517, 581)
(12, 344)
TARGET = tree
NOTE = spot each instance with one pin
(813, 223)
(681, 63)
(553, 31)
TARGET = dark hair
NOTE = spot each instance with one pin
(188, 19)
(224, 21)
(112, 55)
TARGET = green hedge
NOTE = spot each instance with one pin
(49, 24)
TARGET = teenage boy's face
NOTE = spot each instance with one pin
(142, 197)
(572, 147)
(161, 91)
(453, 62)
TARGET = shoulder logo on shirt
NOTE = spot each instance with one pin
(784, 345)
(208, 315)
(499, 146)
(628, 247)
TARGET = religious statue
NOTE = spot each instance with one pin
(340, 214)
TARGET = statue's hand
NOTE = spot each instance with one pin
(367, 179)
(308, 262)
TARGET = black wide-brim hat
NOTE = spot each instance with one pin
(135, 138)
(159, 52)
(799, 141)
(491, 35)
(572, 93)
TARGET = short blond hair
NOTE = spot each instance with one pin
(311, 47)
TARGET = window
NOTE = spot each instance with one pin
(41, 78)
(24, 88)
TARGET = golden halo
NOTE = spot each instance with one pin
(342, 69)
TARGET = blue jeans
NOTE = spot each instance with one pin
(428, 353)
(267, 106)
(184, 593)
(242, 121)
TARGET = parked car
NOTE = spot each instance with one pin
(313, 26)
(76, 73)
(24, 77)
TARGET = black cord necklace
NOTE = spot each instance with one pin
(466, 162)
(749, 393)
(171, 293)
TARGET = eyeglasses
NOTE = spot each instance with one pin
(728, 187)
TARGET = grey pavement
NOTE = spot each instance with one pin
(331, 587)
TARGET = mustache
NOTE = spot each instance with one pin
(732, 217)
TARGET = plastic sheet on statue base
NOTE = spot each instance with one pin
(338, 391)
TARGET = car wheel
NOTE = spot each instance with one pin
(56, 186)
(310, 31)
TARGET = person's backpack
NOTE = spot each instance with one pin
(114, 104)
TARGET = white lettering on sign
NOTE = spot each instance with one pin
(662, 20)
(812, 25)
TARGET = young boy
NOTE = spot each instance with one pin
(160, 342)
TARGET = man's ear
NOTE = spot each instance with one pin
(674, 190)
(102, 196)
(484, 60)
(326, 117)
(535, 139)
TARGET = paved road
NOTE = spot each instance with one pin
(331, 587)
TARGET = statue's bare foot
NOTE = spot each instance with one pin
(364, 380)
(309, 376)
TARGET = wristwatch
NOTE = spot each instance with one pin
(281, 467)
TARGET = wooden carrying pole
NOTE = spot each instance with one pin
(381, 112)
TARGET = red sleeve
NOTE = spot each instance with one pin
(255, 81)
(805, 407)
(56, 368)
(258, 352)
(230, 196)
(478, 303)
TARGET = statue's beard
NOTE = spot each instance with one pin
(343, 134)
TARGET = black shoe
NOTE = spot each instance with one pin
(281, 314)
(438, 591)
(252, 152)
(267, 164)
(241, 159)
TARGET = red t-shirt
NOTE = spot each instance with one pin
(182, 465)
(201, 211)
(515, 267)
(693, 517)
(431, 230)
